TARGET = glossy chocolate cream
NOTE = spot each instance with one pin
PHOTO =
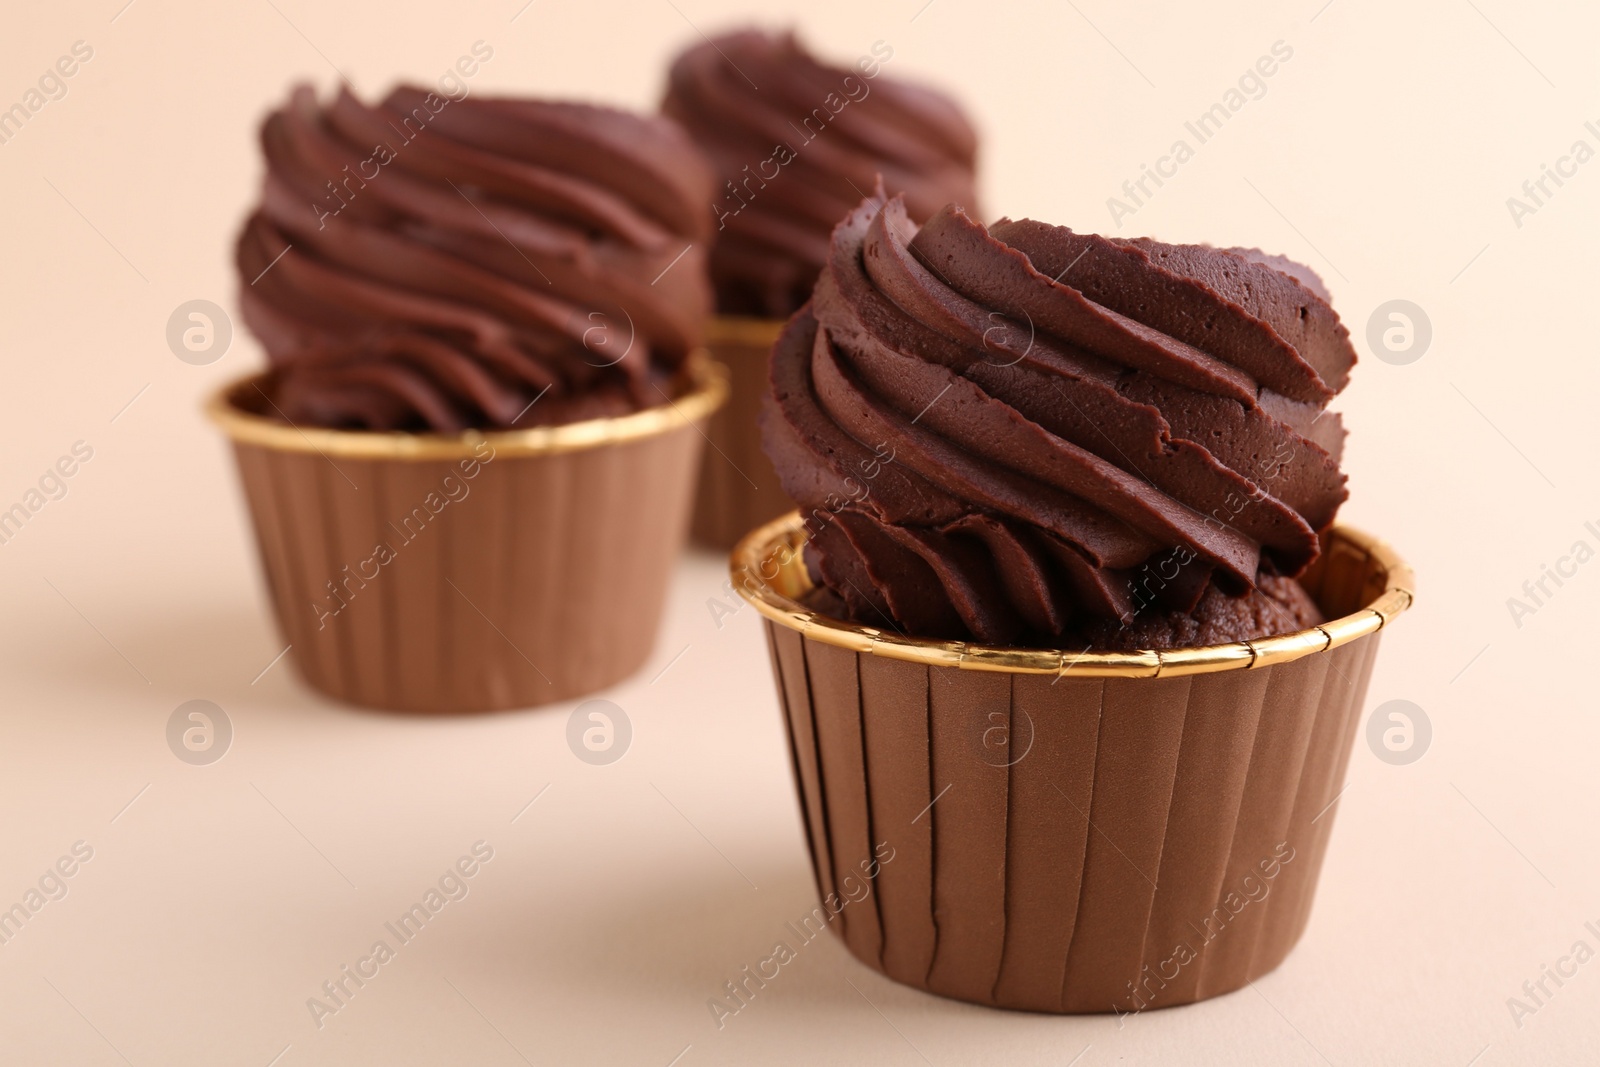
(796, 143)
(432, 264)
(1024, 435)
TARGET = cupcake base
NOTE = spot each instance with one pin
(487, 571)
(1062, 833)
(738, 490)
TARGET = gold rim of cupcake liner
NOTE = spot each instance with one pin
(744, 330)
(705, 389)
(768, 571)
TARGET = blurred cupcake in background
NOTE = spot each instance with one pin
(796, 144)
(470, 461)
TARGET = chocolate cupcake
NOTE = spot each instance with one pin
(469, 462)
(796, 143)
(1064, 622)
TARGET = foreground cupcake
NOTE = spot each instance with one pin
(1063, 624)
(796, 144)
(470, 461)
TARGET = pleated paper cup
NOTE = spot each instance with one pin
(738, 490)
(429, 573)
(1068, 832)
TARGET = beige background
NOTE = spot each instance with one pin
(221, 898)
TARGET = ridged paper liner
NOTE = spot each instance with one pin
(1072, 836)
(738, 490)
(538, 578)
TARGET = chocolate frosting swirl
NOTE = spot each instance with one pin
(796, 143)
(439, 264)
(1020, 433)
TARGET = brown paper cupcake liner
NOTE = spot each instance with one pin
(1072, 833)
(738, 488)
(418, 572)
